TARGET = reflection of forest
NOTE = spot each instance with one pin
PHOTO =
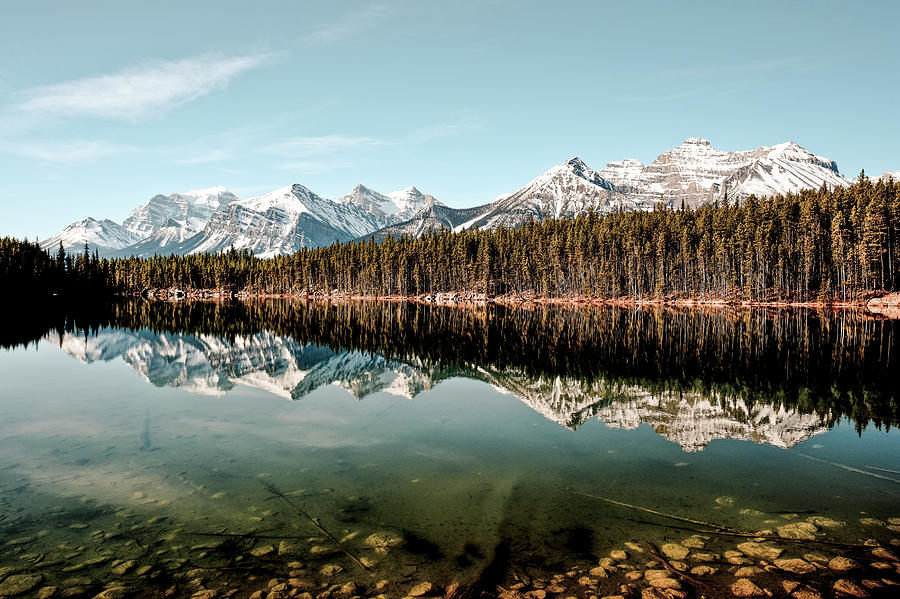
(832, 365)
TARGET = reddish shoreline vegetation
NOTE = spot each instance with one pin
(880, 305)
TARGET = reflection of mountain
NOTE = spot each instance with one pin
(692, 421)
(212, 365)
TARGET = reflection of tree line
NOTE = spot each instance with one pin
(840, 364)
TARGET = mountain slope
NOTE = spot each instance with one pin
(281, 222)
(102, 235)
(697, 173)
(190, 211)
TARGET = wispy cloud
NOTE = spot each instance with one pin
(65, 151)
(139, 91)
(350, 26)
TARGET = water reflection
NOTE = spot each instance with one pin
(769, 376)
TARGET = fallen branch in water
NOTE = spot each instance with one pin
(883, 469)
(655, 553)
(851, 468)
(275, 491)
(712, 525)
(712, 528)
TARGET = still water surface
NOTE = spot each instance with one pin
(144, 434)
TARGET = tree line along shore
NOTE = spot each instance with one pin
(823, 246)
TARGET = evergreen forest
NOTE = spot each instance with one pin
(817, 245)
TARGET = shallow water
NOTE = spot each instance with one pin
(480, 462)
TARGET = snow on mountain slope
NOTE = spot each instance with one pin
(282, 222)
(564, 191)
(433, 218)
(395, 207)
(697, 173)
(891, 176)
(190, 211)
(102, 235)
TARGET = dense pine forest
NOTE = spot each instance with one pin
(824, 245)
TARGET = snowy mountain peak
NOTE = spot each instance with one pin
(102, 235)
(695, 172)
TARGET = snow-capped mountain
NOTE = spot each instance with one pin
(890, 176)
(397, 206)
(564, 191)
(102, 235)
(293, 217)
(696, 173)
(190, 211)
(282, 222)
(158, 226)
(210, 365)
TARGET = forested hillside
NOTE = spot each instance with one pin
(825, 245)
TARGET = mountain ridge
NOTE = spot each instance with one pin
(293, 217)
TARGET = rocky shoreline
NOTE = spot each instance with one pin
(885, 306)
(803, 558)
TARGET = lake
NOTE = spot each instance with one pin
(363, 449)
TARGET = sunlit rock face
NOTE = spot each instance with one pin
(696, 173)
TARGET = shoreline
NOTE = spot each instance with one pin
(887, 305)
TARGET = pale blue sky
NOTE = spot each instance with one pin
(103, 104)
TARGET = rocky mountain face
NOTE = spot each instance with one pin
(280, 365)
(694, 173)
(697, 173)
(188, 212)
(293, 217)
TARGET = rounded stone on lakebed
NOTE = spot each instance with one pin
(744, 587)
(18, 584)
(675, 551)
(842, 564)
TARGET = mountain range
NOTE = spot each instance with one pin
(280, 365)
(293, 217)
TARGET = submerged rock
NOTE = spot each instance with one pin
(842, 564)
(675, 551)
(795, 566)
(744, 587)
(423, 588)
(798, 530)
(383, 539)
(759, 550)
(847, 587)
(18, 584)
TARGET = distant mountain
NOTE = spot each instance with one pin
(158, 226)
(280, 365)
(293, 217)
(188, 211)
(890, 175)
(697, 173)
(104, 236)
(397, 206)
